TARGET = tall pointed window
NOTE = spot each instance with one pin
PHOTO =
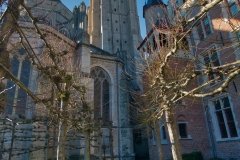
(16, 98)
(101, 94)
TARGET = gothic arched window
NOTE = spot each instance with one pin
(16, 98)
(65, 32)
(101, 94)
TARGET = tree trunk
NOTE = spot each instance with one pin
(12, 141)
(54, 140)
(2, 144)
(2, 95)
(100, 142)
(62, 137)
(159, 141)
(87, 154)
(46, 142)
(173, 135)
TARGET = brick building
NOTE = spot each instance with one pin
(210, 124)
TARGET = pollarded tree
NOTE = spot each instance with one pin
(170, 77)
(63, 91)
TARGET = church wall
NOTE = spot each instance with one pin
(126, 140)
(30, 137)
(58, 15)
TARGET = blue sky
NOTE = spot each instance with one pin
(71, 3)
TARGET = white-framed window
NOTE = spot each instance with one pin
(233, 6)
(210, 59)
(182, 127)
(182, 130)
(238, 35)
(223, 118)
(163, 134)
(204, 28)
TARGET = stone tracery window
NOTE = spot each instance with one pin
(65, 32)
(101, 94)
(16, 98)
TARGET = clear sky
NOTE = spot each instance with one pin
(71, 3)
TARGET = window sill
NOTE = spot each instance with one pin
(164, 142)
(188, 138)
(228, 139)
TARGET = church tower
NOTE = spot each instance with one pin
(113, 26)
(153, 12)
(80, 19)
(119, 25)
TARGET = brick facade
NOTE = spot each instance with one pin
(199, 115)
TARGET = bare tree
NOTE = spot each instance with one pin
(169, 77)
(62, 83)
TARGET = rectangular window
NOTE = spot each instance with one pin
(162, 40)
(211, 60)
(233, 8)
(185, 44)
(200, 31)
(204, 28)
(182, 130)
(238, 36)
(225, 118)
(164, 135)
